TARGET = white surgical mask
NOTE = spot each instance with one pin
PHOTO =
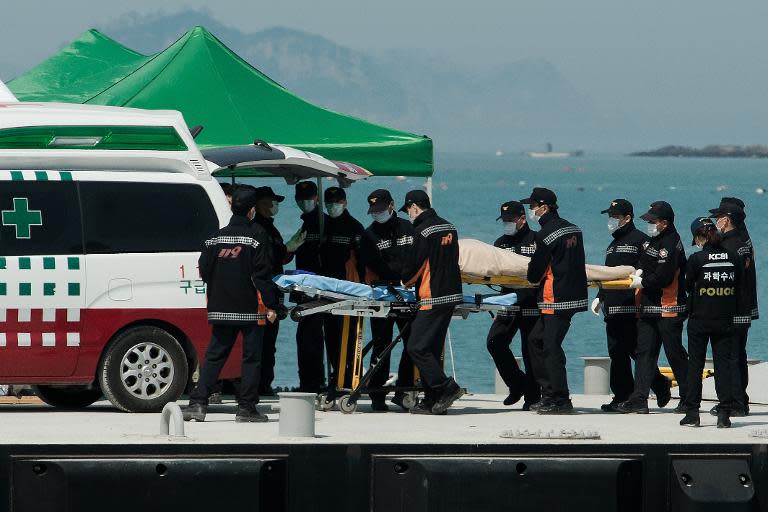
(382, 217)
(334, 209)
(306, 205)
(532, 217)
(275, 208)
(718, 226)
(510, 228)
(652, 230)
(613, 224)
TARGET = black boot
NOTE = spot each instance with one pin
(426, 407)
(691, 419)
(723, 419)
(565, 407)
(249, 414)
(633, 407)
(451, 393)
(613, 406)
(195, 412)
(665, 394)
(379, 404)
(513, 397)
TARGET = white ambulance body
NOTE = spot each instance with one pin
(102, 214)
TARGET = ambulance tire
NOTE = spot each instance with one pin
(111, 369)
(68, 397)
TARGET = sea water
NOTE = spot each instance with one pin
(468, 190)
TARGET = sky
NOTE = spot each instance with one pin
(652, 60)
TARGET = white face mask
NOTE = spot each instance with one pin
(275, 208)
(532, 216)
(652, 230)
(510, 228)
(718, 226)
(382, 217)
(613, 224)
(306, 205)
(334, 209)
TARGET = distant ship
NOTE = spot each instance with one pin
(553, 154)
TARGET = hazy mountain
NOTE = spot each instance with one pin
(518, 105)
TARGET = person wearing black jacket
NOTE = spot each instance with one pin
(309, 329)
(340, 258)
(728, 217)
(385, 247)
(433, 268)
(622, 308)
(519, 239)
(714, 279)
(663, 307)
(235, 264)
(558, 266)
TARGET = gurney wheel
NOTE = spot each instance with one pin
(410, 399)
(323, 404)
(295, 314)
(346, 407)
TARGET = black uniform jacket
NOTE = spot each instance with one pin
(714, 280)
(340, 248)
(279, 253)
(385, 247)
(663, 265)
(750, 284)
(625, 249)
(523, 242)
(433, 265)
(236, 266)
(734, 243)
(558, 265)
(308, 253)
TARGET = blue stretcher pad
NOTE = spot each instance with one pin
(364, 291)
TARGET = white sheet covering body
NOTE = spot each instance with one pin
(480, 259)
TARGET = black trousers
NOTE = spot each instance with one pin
(333, 327)
(269, 347)
(742, 398)
(621, 332)
(652, 333)
(309, 352)
(382, 331)
(503, 330)
(725, 348)
(222, 339)
(425, 346)
(548, 358)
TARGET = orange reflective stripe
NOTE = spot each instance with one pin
(669, 296)
(549, 291)
(262, 309)
(425, 289)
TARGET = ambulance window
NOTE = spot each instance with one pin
(39, 218)
(125, 217)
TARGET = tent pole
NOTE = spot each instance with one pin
(320, 206)
(428, 187)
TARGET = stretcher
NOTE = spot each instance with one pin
(520, 282)
(324, 295)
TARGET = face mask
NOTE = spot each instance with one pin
(306, 205)
(532, 217)
(718, 226)
(652, 230)
(275, 208)
(510, 228)
(334, 209)
(613, 225)
(382, 217)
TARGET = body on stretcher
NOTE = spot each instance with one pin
(520, 282)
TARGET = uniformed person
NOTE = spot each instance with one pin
(621, 308)
(236, 267)
(309, 329)
(558, 266)
(519, 239)
(730, 217)
(663, 307)
(340, 258)
(386, 245)
(433, 268)
(714, 278)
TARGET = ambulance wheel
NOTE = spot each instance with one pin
(346, 406)
(144, 369)
(323, 403)
(68, 397)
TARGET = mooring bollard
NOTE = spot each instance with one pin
(172, 411)
(297, 414)
(596, 375)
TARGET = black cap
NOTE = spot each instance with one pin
(731, 209)
(305, 190)
(659, 210)
(541, 195)
(415, 196)
(334, 194)
(620, 207)
(243, 199)
(511, 210)
(379, 200)
(698, 225)
(262, 192)
(734, 200)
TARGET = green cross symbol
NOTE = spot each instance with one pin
(22, 217)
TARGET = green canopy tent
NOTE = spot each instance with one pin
(212, 86)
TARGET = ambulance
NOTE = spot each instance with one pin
(103, 211)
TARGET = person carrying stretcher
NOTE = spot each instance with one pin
(433, 268)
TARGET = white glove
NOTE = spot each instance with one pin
(296, 240)
(597, 305)
(637, 279)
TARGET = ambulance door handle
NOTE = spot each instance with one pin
(120, 289)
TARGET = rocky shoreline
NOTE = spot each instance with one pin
(713, 151)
